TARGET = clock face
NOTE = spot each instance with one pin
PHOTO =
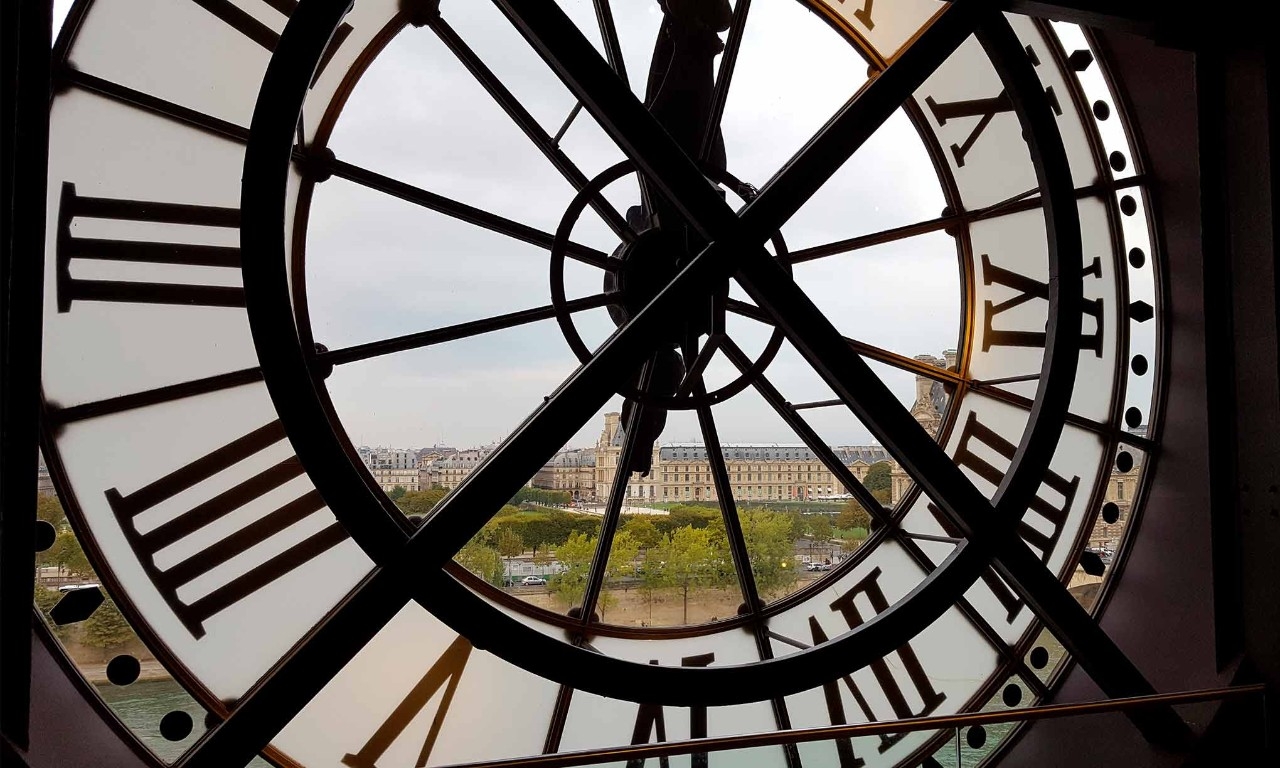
(267, 242)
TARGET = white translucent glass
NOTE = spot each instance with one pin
(101, 349)
(1144, 336)
(997, 163)
(1073, 125)
(955, 658)
(1078, 460)
(343, 718)
(177, 51)
(886, 26)
(1097, 88)
(127, 451)
(1016, 242)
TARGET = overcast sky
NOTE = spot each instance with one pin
(378, 267)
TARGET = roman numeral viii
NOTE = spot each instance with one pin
(1027, 289)
(983, 109)
(260, 33)
(651, 723)
(71, 247)
(1040, 530)
(446, 673)
(890, 685)
(176, 529)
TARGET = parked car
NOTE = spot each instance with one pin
(533, 581)
(817, 567)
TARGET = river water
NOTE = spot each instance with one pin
(143, 704)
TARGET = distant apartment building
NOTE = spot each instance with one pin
(392, 467)
(449, 470)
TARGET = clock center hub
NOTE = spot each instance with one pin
(641, 268)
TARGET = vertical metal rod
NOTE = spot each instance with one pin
(28, 29)
(609, 33)
(617, 497)
(728, 60)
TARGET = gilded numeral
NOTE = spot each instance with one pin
(983, 109)
(1047, 514)
(445, 673)
(70, 289)
(247, 25)
(1027, 289)
(169, 580)
(651, 724)
(863, 14)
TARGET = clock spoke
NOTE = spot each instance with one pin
(57, 416)
(526, 122)
(815, 443)
(69, 75)
(631, 444)
(1026, 201)
(458, 210)
(991, 390)
(664, 165)
(728, 508)
(456, 332)
(724, 77)
(810, 438)
(609, 34)
(911, 365)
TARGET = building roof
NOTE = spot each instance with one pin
(575, 457)
(848, 454)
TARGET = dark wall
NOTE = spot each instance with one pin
(1212, 514)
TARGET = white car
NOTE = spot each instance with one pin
(533, 581)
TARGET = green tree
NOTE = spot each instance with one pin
(642, 529)
(541, 496)
(877, 478)
(483, 561)
(45, 600)
(67, 554)
(420, 502)
(509, 545)
(49, 509)
(541, 554)
(820, 527)
(685, 561)
(881, 495)
(770, 539)
(852, 516)
(397, 492)
(575, 556)
(106, 629)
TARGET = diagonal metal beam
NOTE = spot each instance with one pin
(808, 329)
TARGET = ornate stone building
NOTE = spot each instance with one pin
(572, 470)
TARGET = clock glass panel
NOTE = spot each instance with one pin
(461, 233)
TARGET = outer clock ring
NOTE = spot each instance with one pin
(293, 390)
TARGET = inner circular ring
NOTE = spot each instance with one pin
(564, 318)
(293, 391)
